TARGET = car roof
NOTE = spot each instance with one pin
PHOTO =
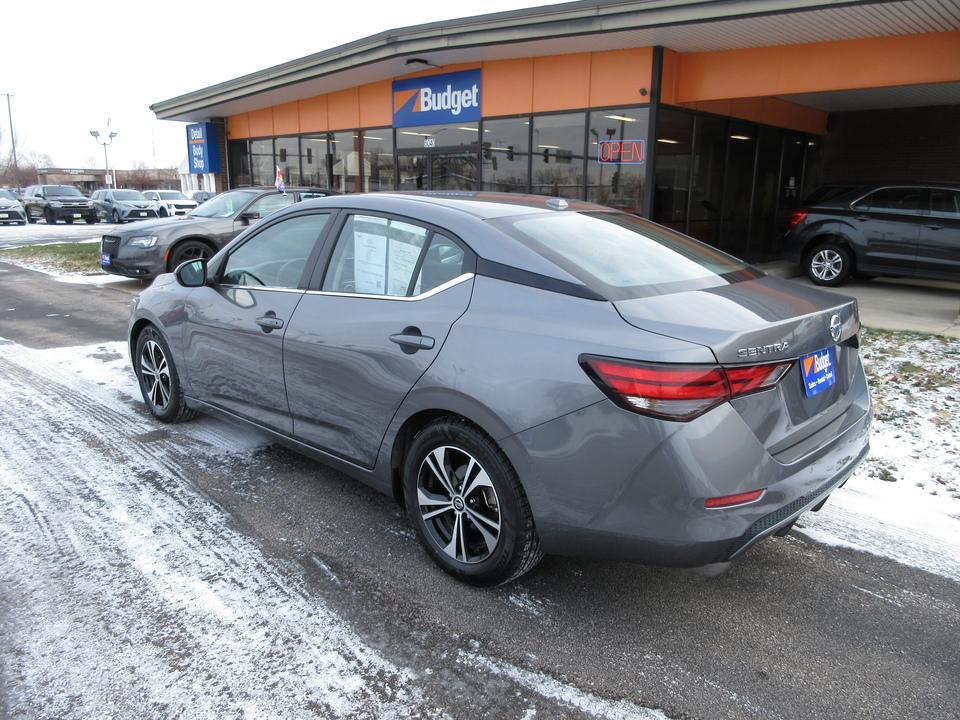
(483, 205)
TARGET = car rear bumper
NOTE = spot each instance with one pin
(605, 482)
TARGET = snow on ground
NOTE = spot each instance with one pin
(904, 501)
(17, 235)
(126, 592)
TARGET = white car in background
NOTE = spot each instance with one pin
(172, 202)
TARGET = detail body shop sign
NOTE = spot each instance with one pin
(621, 152)
(202, 148)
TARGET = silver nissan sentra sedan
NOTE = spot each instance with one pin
(526, 375)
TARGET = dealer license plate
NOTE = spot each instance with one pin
(104, 259)
(4, 215)
(819, 371)
(77, 215)
(143, 214)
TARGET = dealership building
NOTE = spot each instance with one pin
(715, 117)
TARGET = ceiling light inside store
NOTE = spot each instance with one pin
(620, 117)
(668, 141)
(740, 137)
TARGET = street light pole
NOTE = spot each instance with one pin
(13, 140)
(106, 140)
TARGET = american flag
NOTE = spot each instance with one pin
(281, 188)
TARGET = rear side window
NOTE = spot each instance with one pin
(894, 200)
(945, 203)
(621, 256)
(383, 256)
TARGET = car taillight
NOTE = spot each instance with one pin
(730, 500)
(677, 392)
(798, 217)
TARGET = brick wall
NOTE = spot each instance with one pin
(904, 145)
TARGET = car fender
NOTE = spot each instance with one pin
(167, 312)
(847, 232)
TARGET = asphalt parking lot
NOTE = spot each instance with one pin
(201, 571)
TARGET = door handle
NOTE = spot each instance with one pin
(863, 217)
(934, 227)
(411, 340)
(270, 322)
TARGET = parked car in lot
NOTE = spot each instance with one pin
(11, 211)
(526, 375)
(57, 202)
(119, 206)
(200, 196)
(150, 248)
(172, 202)
(908, 230)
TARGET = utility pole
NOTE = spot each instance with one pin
(13, 140)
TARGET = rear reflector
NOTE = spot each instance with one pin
(798, 217)
(731, 500)
(677, 392)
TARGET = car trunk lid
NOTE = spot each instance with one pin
(767, 320)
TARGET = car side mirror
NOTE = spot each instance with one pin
(192, 273)
(249, 216)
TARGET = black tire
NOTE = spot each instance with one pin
(31, 219)
(21, 222)
(189, 250)
(163, 212)
(164, 400)
(116, 218)
(50, 217)
(91, 221)
(68, 221)
(829, 264)
(517, 547)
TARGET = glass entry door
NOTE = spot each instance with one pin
(439, 169)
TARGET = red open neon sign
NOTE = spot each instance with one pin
(621, 152)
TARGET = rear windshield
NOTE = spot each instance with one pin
(621, 256)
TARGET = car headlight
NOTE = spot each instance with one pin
(56, 203)
(144, 241)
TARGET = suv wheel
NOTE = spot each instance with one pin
(159, 381)
(829, 264)
(467, 505)
(189, 250)
(50, 217)
(116, 218)
(30, 218)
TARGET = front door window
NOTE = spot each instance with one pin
(439, 157)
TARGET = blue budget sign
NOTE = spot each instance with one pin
(436, 99)
(203, 148)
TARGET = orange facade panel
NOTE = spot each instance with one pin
(768, 111)
(617, 77)
(561, 82)
(238, 126)
(819, 67)
(286, 119)
(375, 104)
(343, 109)
(507, 87)
(261, 122)
(313, 114)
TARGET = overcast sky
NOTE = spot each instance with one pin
(82, 62)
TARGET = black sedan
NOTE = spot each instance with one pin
(902, 230)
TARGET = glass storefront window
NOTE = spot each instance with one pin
(239, 163)
(288, 159)
(438, 157)
(619, 181)
(314, 164)
(345, 150)
(708, 165)
(764, 240)
(506, 154)
(672, 151)
(558, 154)
(261, 162)
(378, 163)
(738, 185)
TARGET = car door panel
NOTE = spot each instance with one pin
(234, 330)
(889, 221)
(938, 249)
(346, 377)
(356, 347)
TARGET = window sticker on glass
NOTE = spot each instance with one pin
(370, 255)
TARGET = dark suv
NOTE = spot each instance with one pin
(149, 248)
(57, 202)
(894, 229)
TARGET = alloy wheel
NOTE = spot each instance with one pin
(156, 374)
(458, 504)
(826, 264)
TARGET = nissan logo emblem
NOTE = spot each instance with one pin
(836, 327)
